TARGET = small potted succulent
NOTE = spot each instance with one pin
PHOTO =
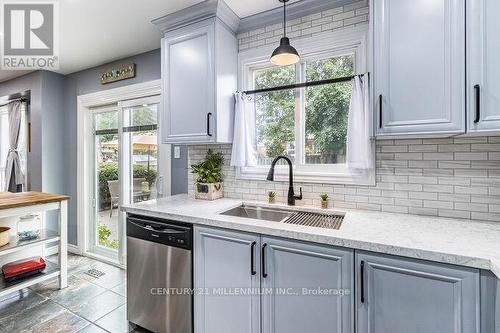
(272, 197)
(209, 185)
(324, 200)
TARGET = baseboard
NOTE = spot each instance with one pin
(74, 249)
(51, 250)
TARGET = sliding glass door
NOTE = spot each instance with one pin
(104, 233)
(125, 170)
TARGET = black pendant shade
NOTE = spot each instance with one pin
(285, 54)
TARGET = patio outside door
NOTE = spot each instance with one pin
(126, 170)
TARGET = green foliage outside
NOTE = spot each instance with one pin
(276, 121)
(210, 169)
(109, 171)
(326, 110)
(104, 234)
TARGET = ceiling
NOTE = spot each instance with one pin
(94, 32)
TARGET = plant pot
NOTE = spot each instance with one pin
(324, 204)
(272, 200)
(209, 191)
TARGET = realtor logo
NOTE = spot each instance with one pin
(30, 36)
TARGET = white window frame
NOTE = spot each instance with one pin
(346, 41)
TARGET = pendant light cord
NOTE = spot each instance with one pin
(284, 18)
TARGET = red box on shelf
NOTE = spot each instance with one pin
(22, 268)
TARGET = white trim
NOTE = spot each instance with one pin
(352, 40)
(104, 259)
(51, 250)
(74, 249)
(84, 146)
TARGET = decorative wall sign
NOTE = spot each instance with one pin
(118, 73)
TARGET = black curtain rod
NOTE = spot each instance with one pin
(302, 85)
(22, 99)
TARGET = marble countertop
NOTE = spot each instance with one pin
(458, 242)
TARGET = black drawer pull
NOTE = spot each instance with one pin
(252, 258)
(380, 109)
(477, 91)
(208, 123)
(362, 273)
(264, 271)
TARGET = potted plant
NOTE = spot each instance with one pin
(324, 200)
(272, 197)
(209, 185)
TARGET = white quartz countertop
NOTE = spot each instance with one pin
(458, 242)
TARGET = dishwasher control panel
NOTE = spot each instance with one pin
(161, 231)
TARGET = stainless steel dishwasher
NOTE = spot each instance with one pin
(159, 274)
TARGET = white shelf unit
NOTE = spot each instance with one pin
(46, 236)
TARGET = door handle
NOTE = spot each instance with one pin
(159, 186)
(477, 91)
(380, 110)
(208, 123)
(362, 274)
(264, 270)
(253, 271)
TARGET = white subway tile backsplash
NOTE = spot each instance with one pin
(448, 177)
(310, 25)
(423, 211)
(454, 213)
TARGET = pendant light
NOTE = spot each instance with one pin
(285, 54)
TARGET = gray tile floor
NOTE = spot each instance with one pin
(87, 305)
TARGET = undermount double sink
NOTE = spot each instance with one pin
(299, 217)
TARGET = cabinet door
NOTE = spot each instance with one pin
(188, 85)
(483, 86)
(403, 295)
(223, 265)
(292, 275)
(419, 66)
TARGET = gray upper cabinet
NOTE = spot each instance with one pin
(404, 295)
(483, 86)
(419, 72)
(223, 260)
(290, 266)
(199, 73)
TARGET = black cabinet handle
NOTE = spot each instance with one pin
(208, 123)
(362, 275)
(380, 111)
(264, 271)
(252, 259)
(477, 90)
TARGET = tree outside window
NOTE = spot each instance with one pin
(324, 110)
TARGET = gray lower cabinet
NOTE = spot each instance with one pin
(223, 265)
(291, 267)
(277, 274)
(401, 295)
(490, 303)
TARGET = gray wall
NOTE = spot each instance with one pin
(53, 160)
(45, 162)
(180, 172)
(148, 68)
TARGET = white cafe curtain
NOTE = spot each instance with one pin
(359, 145)
(13, 173)
(243, 153)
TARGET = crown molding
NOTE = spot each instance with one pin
(196, 13)
(295, 10)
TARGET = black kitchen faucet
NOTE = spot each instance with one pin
(291, 194)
